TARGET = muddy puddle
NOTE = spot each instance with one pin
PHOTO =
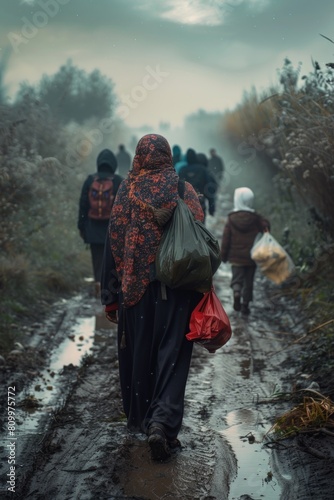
(243, 373)
(254, 474)
(47, 390)
(46, 394)
(75, 443)
(222, 456)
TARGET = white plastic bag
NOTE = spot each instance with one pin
(271, 258)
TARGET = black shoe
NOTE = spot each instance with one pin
(245, 309)
(236, 303)
(160, 449)
(174, 445)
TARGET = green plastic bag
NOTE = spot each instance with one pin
(213, 246)
(188, 254)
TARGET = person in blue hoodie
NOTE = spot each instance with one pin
(179, 159)
(176, 151)
(92, 229)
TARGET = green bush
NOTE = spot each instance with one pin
(41, 253)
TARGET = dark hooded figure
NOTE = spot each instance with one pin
(176, 154)
(154, 355)
(212, 186)
(93, 231)
(123, 161)
(198, 176)
(216, 165)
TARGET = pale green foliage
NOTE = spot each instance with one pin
(40, 247)
(307, 141)
(291, 129)
(73, 95)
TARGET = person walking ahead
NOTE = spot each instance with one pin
(154, 355)
(123, 161)
(242, 226)
(212, 186)
(197, 175)
(216, 165)
(98, 189)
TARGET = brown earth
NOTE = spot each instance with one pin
(72, 441)
(80, 448)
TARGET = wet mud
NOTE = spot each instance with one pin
(72, 441)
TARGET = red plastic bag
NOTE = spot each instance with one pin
(209, 324)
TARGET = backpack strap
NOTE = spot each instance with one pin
(181, 188)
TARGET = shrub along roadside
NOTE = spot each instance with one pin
(29, 291)
(41, 254)
(317, 296)
(291, 129)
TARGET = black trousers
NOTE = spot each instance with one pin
(242, 281)
(97, 251)
(154, 365)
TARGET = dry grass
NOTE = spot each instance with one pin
(254, 117)
(312, 414)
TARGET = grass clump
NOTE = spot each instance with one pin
(312, 414)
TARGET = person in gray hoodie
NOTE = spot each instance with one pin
(93, 228)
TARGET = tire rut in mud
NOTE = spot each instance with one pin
(89, 454)
(78, 453)
(188, 475)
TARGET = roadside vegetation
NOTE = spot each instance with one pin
(290, 129)
(314, 414)
(50, 134)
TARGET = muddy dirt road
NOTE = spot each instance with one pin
(71, 440)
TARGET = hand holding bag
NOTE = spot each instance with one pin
(209, 324)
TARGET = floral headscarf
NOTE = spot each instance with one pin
(134, 232)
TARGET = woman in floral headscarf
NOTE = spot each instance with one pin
(154, 355)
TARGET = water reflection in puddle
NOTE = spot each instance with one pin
(72, 349)
(47, 390)
(255, 478)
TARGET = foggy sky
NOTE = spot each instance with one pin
(167, 58)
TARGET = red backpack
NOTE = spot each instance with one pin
(101, 198)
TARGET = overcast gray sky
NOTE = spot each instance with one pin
(167, 58)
